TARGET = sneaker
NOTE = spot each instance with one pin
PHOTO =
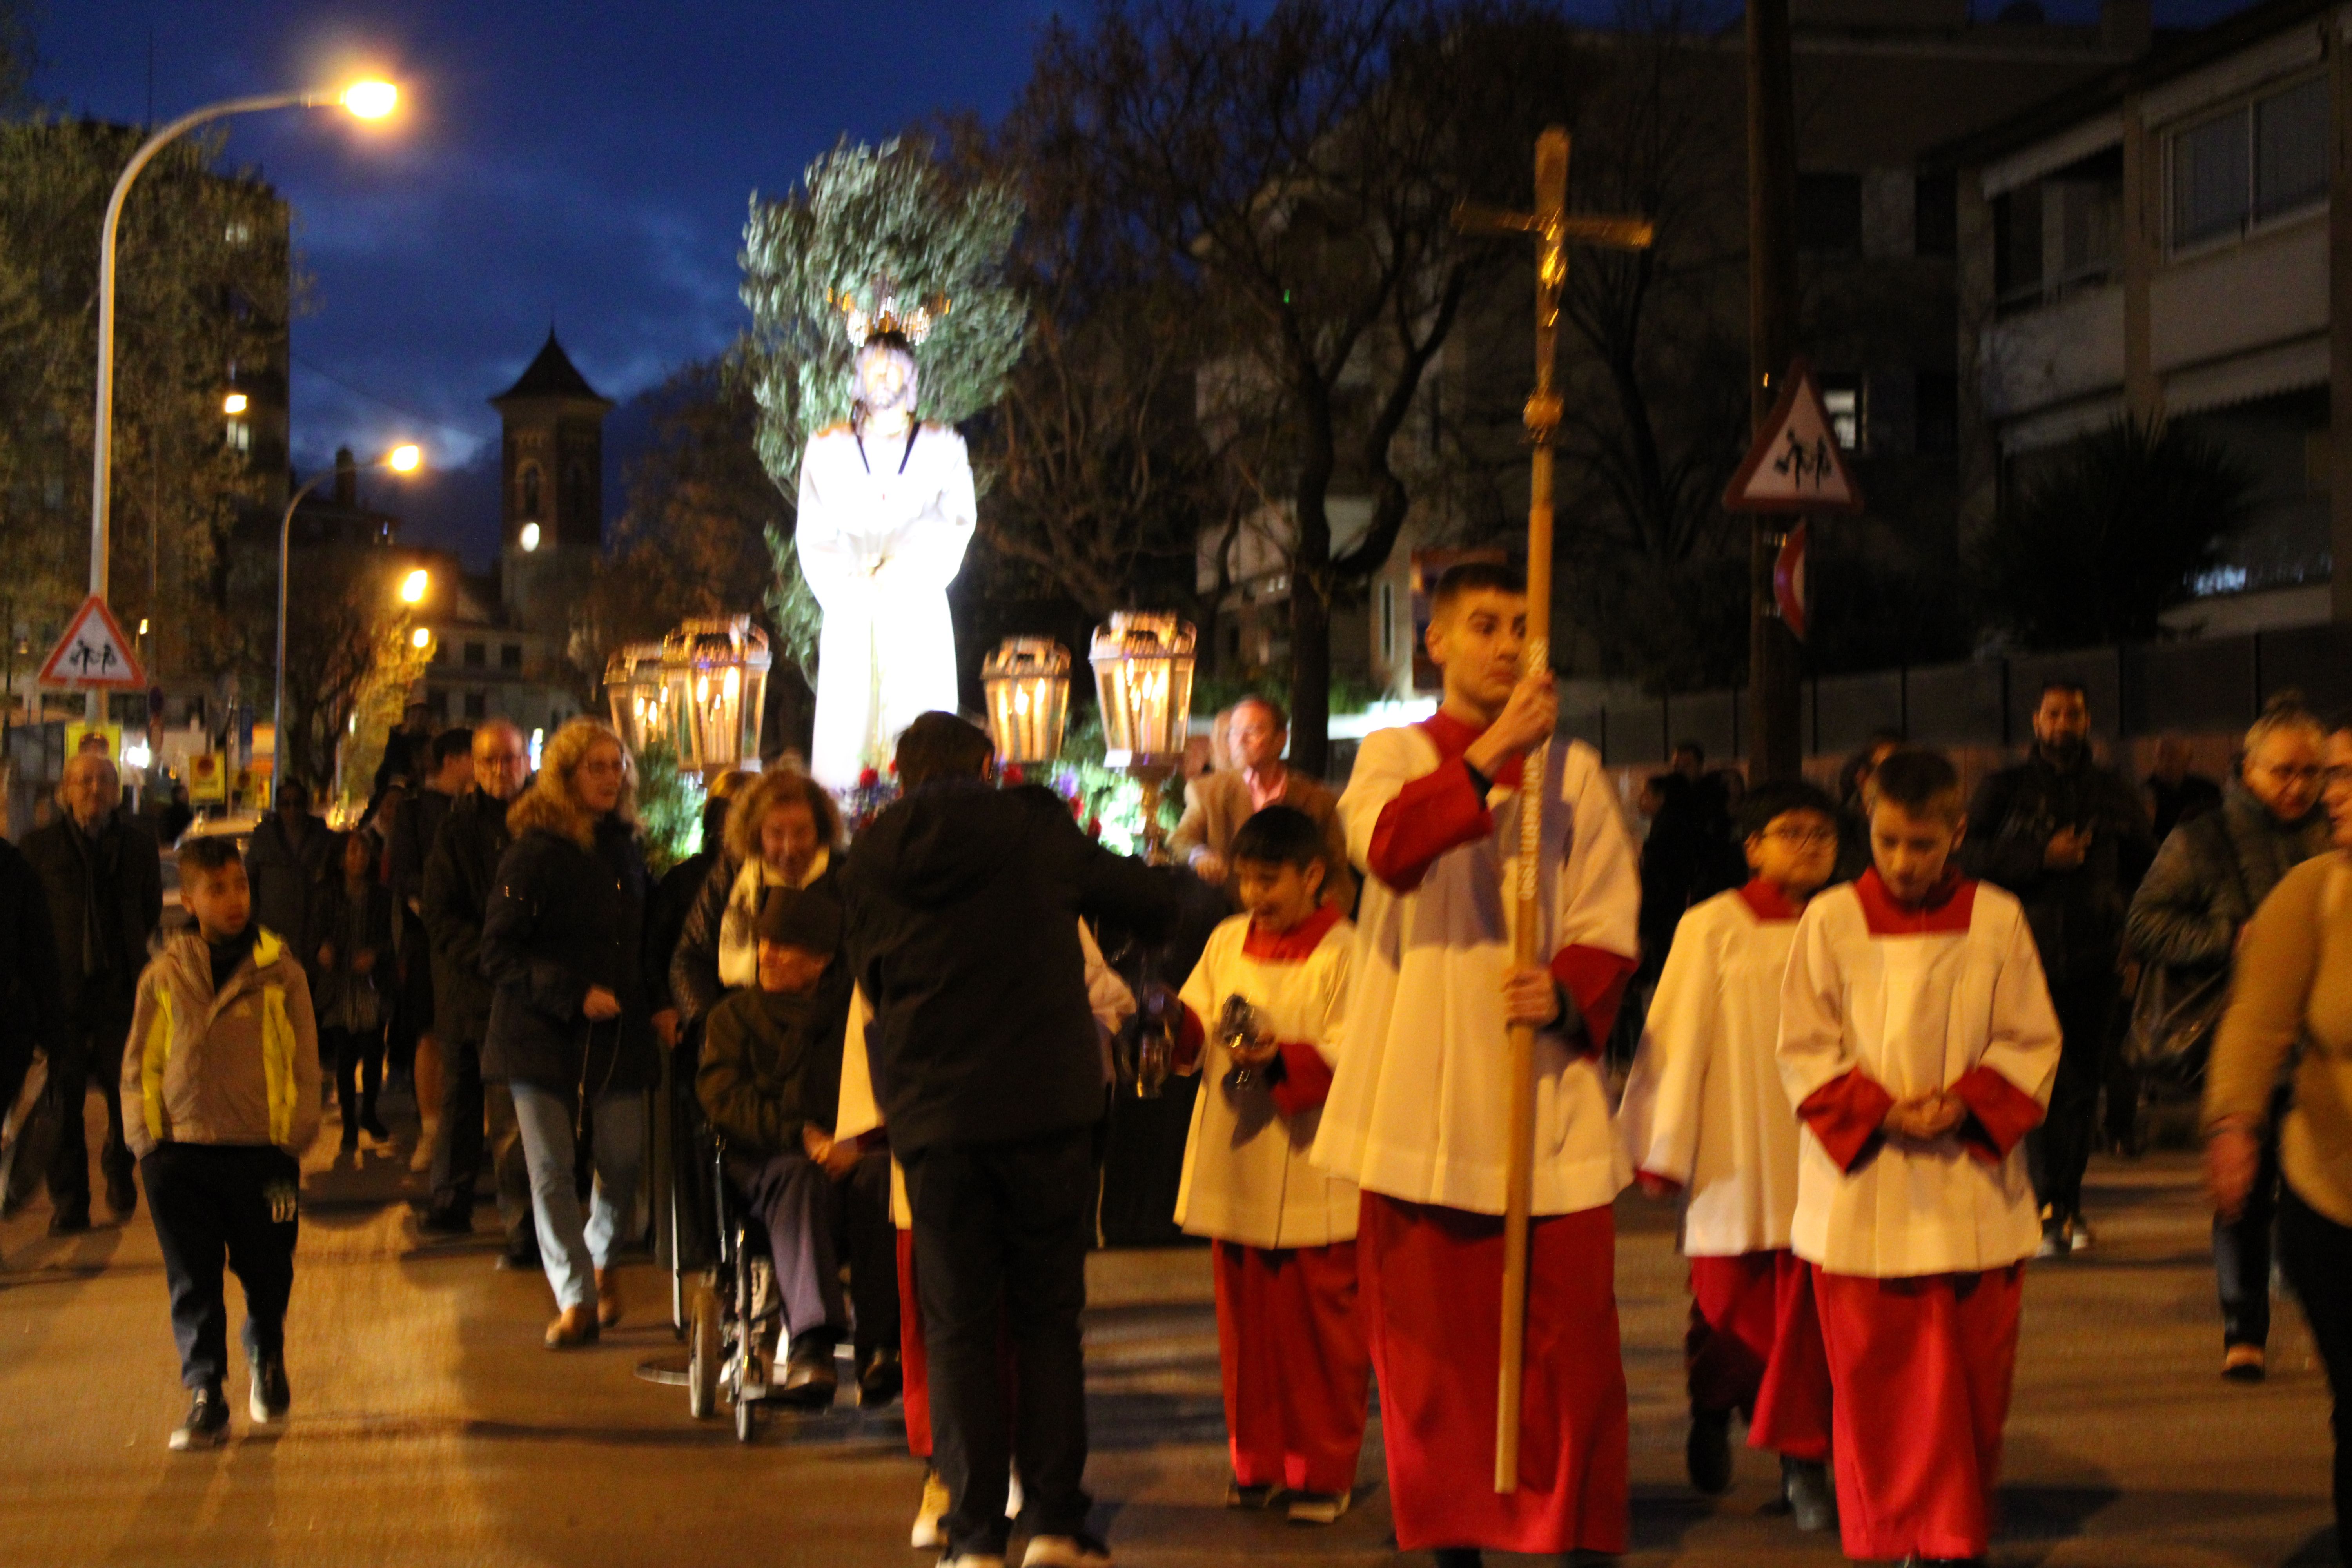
(271, 1396)
(207, 1425)
(1707, 1452)
(2078, 1234)
(1813, 1500)
(929, 1512)
(1065, 1552)
(2244, 1364)
(2055, 1241)
(1319, 1507)
(1240, 1496)
(879, 1383)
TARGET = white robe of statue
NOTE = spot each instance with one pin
(882, 532)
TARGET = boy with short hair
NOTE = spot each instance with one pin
(1262, 1028)
(220, 1097)
(1704, 1117)
(769, 1079)
(1918, 1045)
(1420, 1096)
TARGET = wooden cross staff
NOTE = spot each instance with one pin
(1555, 230)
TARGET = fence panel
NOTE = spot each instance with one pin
(1957, 704)
(2208, 684)
(1848, 708)
(1710, 717)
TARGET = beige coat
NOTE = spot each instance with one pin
(239, 1066)
(1216, 804)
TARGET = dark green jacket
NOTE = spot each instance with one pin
(770, 1065)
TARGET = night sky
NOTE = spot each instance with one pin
(582, 164)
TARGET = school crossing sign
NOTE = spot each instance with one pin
(93, 654)
(1796, 464)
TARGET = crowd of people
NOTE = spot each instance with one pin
(1871, 1084)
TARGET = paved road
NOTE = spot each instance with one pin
(429, 1428)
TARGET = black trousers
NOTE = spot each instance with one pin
(2058, 1149)
(870, 1240)
(460, 1144)
(93, 1056)
(2317, 1255)
(357, 1055)
(1001, 1237)
(2242, 1246)
(212, 1202)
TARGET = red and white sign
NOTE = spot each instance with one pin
(1796, 464)
(1789, 580)
(93, 653)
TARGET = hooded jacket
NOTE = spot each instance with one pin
(2212, 876)
(239, 1066)
(962, 905)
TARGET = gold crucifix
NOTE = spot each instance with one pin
(1555, 230)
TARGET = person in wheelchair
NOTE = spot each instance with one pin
(769, 1082)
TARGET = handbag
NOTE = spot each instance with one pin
(2175, 1015)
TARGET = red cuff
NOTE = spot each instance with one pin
(1596, 977)
(1657, 1186)
(1190, 1038)
(1846, 1115)
(1306, 1078)
(1432, 814)
(1999, 1113)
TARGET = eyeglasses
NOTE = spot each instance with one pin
(2311, 773)
(1804, 837)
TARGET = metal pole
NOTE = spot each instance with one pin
(1775, 745)
(277, 701)
(101, 445)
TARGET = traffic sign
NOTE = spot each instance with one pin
(1796, 464)
(1789, 580)
(93, 653)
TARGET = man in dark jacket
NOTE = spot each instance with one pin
(455, 892)
(2070, 839)
(104, 881)
(286, 859)
(415, 823)
(963, 906)
(32, 1014)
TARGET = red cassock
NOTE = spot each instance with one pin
(1295, 1364)
(1418, 1098)
(1755, 1345)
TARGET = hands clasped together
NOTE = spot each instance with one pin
(1924, 1118)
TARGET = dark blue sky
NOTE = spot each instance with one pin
(586, 163)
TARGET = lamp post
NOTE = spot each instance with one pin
(1143, 677)
(1028, 684)
(367, 100)
(405, 458)
(714, 674)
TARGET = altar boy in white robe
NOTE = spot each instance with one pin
(1420, 1099)
(1918, 1045)
(1296, 1371)
(1704, 1118)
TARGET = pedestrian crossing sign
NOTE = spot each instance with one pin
(1796, 464)
(93, 653)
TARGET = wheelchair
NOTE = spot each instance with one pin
(732, 1309)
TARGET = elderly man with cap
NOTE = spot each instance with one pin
(770, 1080)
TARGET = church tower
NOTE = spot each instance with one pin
(552, 490)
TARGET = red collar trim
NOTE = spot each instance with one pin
(1295, 945)
(1766, 902)
(1454, 737)
(1947, 910)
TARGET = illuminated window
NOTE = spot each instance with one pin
(239, 233)
(530, 493)
(238, 437)
(1842, 401)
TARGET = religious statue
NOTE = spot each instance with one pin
(887, 510)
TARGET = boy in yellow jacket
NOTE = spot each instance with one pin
(220, 1095)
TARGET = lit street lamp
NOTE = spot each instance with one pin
(367, 100)
(405, 458)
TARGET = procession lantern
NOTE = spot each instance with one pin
(714, 672)
(633, 684)
(1028, 684)
(1143, 677)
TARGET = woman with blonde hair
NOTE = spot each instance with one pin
(783, 831)
(571, 1029)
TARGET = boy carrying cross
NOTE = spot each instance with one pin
(1420, 1096)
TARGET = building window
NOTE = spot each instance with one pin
(440, 650)
(1828, 214)
(476, 705)
(1936, 215)
(238, 234)
(1935, 411)
(2258, 162)
(1842, 400)
(436, 704)
(530, 493)
(238, 437)
(477, 655)
(510, 656)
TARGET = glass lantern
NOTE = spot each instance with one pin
(633, 684)
(714, 674)
(1143, 677)
(1028, 684)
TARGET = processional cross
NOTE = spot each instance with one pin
(1555, 229)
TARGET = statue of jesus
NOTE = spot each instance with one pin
(887, 510)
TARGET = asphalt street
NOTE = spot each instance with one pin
(429, 1427)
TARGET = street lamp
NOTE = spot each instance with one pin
(365, 100)
(1143, 681)
(405, 458)
(234, 403)
(1027, 680)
